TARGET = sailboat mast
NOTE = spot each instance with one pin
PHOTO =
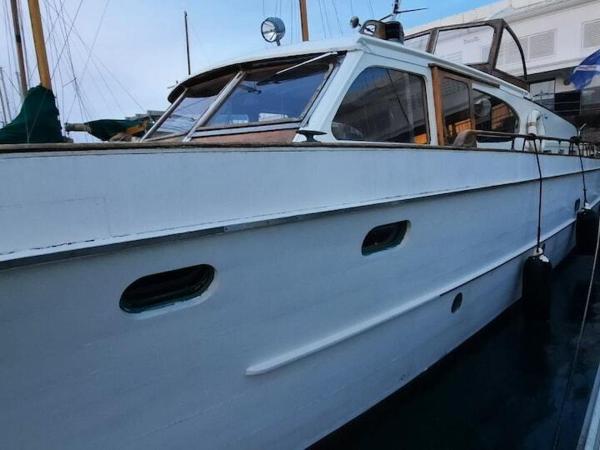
(304, 20)
(38, 41)
(187, 42)
(19, 46)
(3, 98)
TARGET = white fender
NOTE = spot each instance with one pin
(535, 125)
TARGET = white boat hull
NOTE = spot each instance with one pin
(299, 332)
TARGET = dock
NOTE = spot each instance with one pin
(590, 432)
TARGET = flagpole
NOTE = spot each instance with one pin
(40, 46)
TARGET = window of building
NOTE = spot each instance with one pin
(542, 45)
(591, 34)
(383, 105)
(492, 114)
(456, 107)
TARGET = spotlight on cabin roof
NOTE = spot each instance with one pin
(273, 29)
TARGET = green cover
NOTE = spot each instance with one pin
(105, 129)
(37, 123)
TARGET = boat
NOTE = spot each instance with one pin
(302, 233)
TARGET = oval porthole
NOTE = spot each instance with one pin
(457, 302)
(384, 237)
(165, 288)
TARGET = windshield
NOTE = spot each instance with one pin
(418, 43)
(191, 107)
(264, 96)
(465, 45)
(256, 97)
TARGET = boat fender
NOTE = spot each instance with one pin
(586, 231)
(535, 126)
(537, 283)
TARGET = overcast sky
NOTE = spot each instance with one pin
(123, 55)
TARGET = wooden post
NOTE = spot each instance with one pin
(187, 42)
(40, 46)
(304, 20)
(19, 45)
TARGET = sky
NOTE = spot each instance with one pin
(116, 58)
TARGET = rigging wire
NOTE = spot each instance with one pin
(91, 48)
(372, 10)
(326, 17)
(337, 18)
(68, 35)
(100, 67)
(323, 24)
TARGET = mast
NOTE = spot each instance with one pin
(304, 20)
(3, 98)
(19, 45)
(187, 42)
(40, 46)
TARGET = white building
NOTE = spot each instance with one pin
(556, 36)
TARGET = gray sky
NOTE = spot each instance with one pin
(124, 55)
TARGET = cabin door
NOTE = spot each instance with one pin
(453, 105)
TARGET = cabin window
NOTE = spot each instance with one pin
(456, 107)
(462, 108)
(492, 114)
(383, 105)
(270, 95)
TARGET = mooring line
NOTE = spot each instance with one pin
(578, 345)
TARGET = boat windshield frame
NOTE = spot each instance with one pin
(238, 74)
(500, 27)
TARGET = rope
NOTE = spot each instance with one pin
(541, 191)
(582, 175)
(578, 345)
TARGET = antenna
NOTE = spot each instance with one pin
(396, 11)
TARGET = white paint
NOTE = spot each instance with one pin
(330, 331)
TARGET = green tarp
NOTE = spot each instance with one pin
(105, 129)
(37, 123)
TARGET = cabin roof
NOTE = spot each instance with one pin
(357, 42)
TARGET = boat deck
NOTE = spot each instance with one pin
(504, 388)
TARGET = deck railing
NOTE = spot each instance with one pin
(529, 142)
